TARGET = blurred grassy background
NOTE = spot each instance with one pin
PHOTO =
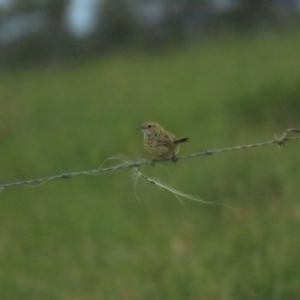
(89, 237)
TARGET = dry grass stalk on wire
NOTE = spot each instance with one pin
(135, 165)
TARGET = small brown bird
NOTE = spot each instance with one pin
(159, 142)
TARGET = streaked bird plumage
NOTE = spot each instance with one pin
(159, 142)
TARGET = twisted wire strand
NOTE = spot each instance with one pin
(127, 163)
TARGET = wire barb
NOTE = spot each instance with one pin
(284, 138)
(127, 163)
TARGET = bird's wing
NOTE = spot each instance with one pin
(165, 139)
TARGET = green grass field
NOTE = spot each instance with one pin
(90, 238)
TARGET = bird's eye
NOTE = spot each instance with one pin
(149, 126)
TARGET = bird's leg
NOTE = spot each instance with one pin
(174, 158)
(153, 162)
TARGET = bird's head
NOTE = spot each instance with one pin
(149, 127)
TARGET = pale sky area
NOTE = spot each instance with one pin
(5, 2)
(81, 18)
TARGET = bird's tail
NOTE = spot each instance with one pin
(183, 140)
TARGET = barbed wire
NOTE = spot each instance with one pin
(127, 163)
